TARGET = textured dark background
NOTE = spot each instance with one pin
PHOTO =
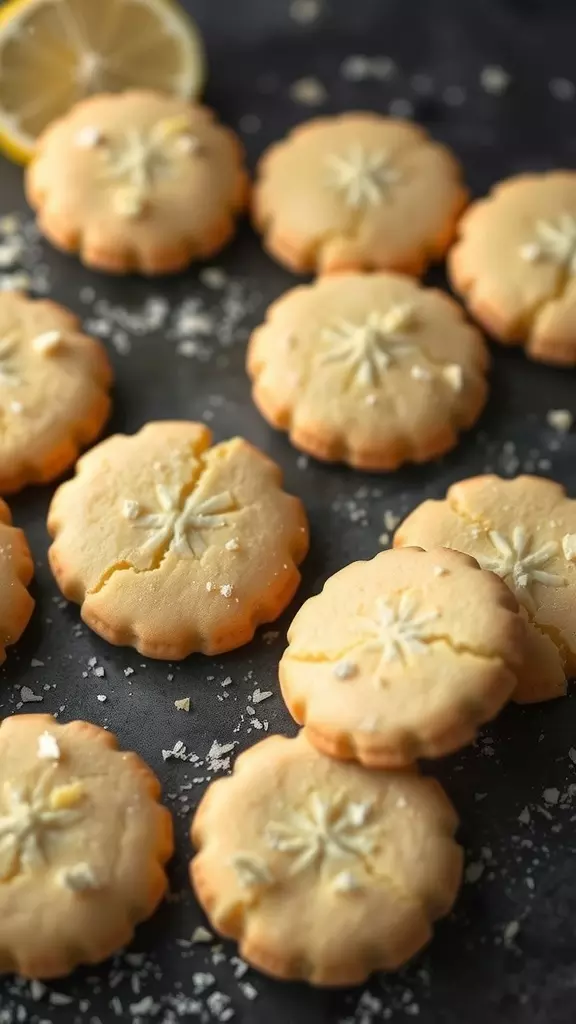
(508, 953)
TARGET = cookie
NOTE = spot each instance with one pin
(138, 181)
(54, 384)
(16, 571)
(171, 546)
(321, 870)
(524, 530)
(358, 192)
(83, 843)
(401, 657)
(368, 369)
(515, 264)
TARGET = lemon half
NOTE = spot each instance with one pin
(55, 52)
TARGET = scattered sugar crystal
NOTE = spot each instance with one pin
(48, 749)
(494, 79)
(309, 91)
(560, 419)
(562, 89)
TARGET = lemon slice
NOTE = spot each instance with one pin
(55, 52)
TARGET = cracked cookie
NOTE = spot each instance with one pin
(515, 264)
(358, 192)
(138, 181)
(401, 657)
(368, 369)
(83, 843)
(321, 870)
(524, 530)
(16, 571)
(54, 390)
(172, 546)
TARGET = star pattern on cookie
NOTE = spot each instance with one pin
(135, 160)
(9, 374)
(555, 243)
(398, 632)
(364, 178)
(519, 566)
(328, 829)
(178, 528)
(24, 825)
(368, 350)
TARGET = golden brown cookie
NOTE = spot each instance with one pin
(368, 369)
(401, 657)
(138, 181)
(525, 531)
(358, 192)
(83, 843)
(172, 546)
(54, 384)
(515, 264)
(16, 571)
(323, 871)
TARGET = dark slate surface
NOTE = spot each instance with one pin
(507, 953)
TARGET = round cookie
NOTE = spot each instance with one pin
(323, 871)
(515, 264)
(368, 369)
(358, 192)
(401, 657)
(172, 546)
(524, 530)
(54, 384)
(83, 843)
(138, 181)
(16, 571)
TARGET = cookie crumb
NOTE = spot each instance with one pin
(201, 934)
(233, 544)
(439, 570)
(226, 589)
(183, 704)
